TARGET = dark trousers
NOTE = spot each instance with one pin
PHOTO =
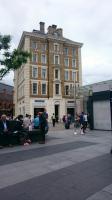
(42, 134)
(53, 122)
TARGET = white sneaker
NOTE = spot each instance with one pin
(75, 133)
(82, 133)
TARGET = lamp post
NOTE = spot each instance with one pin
(76, 95)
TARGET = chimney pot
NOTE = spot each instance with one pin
(42, 27)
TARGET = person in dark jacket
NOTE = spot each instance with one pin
(5, 134)
(43, 124)
(82, 123)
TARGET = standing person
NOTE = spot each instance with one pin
(82, 122)
(85, 121)
(63, 118)
(43, 123)
(69, 119)
(53, 120)
(36, 121)
(30, 123)
(67, 122)
(26, 122)
(46, 116)
(5, 131)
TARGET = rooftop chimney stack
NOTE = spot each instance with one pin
(42, 28)
(54, 28)
(60, 32)
(50, 30)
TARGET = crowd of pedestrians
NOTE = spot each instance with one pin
(40, 121)
(23, 125)
(80, 122)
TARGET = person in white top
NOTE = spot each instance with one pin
(85, 121)
(26, 122)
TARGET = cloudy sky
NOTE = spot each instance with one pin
(86, 21)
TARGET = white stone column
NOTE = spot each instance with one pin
(15, 93)
(27, 77)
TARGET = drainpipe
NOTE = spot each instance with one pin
(48, 65)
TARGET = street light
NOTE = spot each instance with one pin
(76, 95)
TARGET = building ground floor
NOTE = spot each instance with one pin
(58, 106)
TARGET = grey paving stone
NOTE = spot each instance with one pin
(102, 195)
(67, 173)
(108, 189)
(78, 182)
(42, 151)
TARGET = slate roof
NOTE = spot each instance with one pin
(37, 34)
(8, 88)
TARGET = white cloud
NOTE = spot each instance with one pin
(83, 21)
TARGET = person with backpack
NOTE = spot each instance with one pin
(36, 122)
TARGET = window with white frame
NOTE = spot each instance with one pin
(44, 73)
(33, 45)
(57, 89)
(43, 58)
(56, 60)
(66, 62)
(66, 51)
(34, 72)
(44, 88)
(66, 75)
(34, 58)
(56, 74)
(73, 76)
(56, 47)
(43, 47)
(73, 52)
(66, 89)
(73, 63)
(34, 88)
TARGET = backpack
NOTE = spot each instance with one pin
(36, 121)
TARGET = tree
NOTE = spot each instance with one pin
(10, 60)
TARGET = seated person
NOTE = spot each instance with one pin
(5, 133)
(20, 131)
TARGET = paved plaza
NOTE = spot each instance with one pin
(67, 167)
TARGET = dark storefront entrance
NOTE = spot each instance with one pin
(57, 112)
(71, 112)
(36, 110)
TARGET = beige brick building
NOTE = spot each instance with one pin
(47, 79)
